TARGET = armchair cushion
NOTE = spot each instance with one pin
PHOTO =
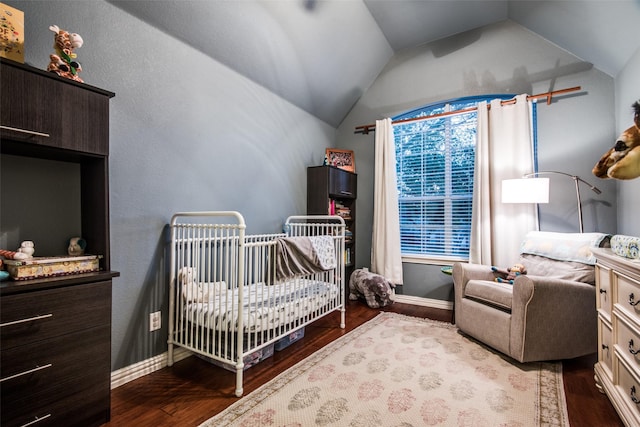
(493, 293)
(566, 270)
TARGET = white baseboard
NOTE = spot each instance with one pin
(425, 302)
(145, 367)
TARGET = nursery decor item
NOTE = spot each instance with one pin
(397, 370)
(11, 33)
(25, 251)
(508, 275)
(35, 268)
(63, 62)
(342, 159)
(374, 288)
(531, 189)
(622, 161)
(76, 246)
(626, 246)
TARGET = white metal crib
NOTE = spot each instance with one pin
(226, 300)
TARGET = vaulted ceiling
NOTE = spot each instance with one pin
(321, 55)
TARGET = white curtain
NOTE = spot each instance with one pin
(504, 150)
(386, 257)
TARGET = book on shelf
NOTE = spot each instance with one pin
(332, 207)
(341, 210)
(347, 256)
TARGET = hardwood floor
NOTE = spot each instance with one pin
(192, 390)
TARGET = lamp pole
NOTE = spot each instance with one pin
(576, 180)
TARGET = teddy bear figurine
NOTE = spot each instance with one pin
(25, 251)
(510, 274)
(63, 62)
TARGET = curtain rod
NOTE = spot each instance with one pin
(365, 129)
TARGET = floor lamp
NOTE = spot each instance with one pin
(532, 189)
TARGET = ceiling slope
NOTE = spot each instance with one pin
(321, 55)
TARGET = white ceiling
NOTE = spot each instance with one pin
(321, 55)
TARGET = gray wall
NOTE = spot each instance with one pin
(186, 133)
(627, 92)
(500, 58)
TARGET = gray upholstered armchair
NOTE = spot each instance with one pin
(547, 314)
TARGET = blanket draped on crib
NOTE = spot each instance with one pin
(302, 255)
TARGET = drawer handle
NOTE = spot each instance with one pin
(631, 302)
(37, 420)
(631, 350)
(603, 291)
(30, 371)
(30, 132)
(29, 319)
(634, 399)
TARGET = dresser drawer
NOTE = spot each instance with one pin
(605, 349)
(85, 409)
(604, 290)
(628, 342)
(628, 389)
(40, 374)
(34, 316)
(628, 295)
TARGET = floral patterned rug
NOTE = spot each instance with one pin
(403, 371)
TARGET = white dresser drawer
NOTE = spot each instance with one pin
(605, 349)
(628, 342)
(604, 301)
(628, 390)
(627, 295)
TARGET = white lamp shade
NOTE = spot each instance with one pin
(525, 190)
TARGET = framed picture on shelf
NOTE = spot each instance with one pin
(342, 159)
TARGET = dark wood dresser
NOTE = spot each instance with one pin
(55, 332)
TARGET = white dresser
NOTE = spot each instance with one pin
(617, 371)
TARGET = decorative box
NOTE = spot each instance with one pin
(286, 341)
(39, 267)
(11, 33)
(249, 360)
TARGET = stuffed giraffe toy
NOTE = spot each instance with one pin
(622, 161)
(63, 62)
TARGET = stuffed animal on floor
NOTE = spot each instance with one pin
(376, 290)
(510, 274)
(63, 62)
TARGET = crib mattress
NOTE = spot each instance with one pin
(265, 307)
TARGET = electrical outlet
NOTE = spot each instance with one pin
(155, 321)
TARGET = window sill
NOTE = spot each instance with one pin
(432, 260)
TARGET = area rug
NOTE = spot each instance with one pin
(403, 371)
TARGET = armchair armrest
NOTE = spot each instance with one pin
(550, 314)
(463, 272)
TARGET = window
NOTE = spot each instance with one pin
(435, 160)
